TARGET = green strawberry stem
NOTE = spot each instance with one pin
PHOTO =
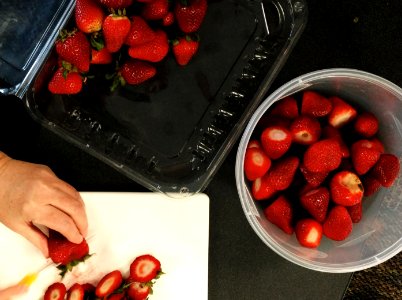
(97, 41)
(69, 267)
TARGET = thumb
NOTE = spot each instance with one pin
(36, 237)
(12, 291)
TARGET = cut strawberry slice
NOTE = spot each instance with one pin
(76, 292)
(309, 233)
(109, 283)
(145, 268)
(55, 291)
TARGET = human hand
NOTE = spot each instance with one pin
(15, 290)
(31, 195)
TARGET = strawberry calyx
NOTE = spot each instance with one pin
(65, 33)
(97, 41)
(69, 267)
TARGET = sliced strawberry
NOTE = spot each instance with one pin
(338, 224)
(262, 189)
(329, 132)
(282, 172)
(316, 203)
(285, 108)
(371, 185)
(76, 292)
(342, 112)
(309, 233)
(256, 163)
(276, 141)
(280, 213)
(254, 144)
(366, 124)
(305, 130)
(144, 268)
(323, 156)
(364, 156)
(55, 291)
(315, 105)
(346, 188)
(139, 290)
(355, 212)
(117, 296)
(109, 283)
(313, 178)
(386, 170)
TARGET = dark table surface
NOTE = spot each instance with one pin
(358, 34)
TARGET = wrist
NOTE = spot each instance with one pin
(3, 159)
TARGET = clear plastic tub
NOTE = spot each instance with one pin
(378, 236)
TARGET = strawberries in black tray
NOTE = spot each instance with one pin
(312, 160)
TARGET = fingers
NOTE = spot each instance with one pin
(12, 291)
(36, 237)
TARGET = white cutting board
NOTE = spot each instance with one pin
(121, 227)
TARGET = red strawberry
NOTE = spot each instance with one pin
(254, 144)
(117, 296)
(309, 233)
(386, 170)
(323, 156)
(371, 185)
(62, 251)
(184, 48)
(65, 82)
(89, 15)
(168, 19)
(262, 189)
(346, 188)
(338, 224)
(377, 144)
(286, 108)
(139, 290)
(366, 124)
(89, 291)
(56, 291)
(316, 203)
(364, 156)
(342, 112)
(315, 105)
(276, 141)
(133, 72)
(153, 51)
(332, 132)
(155, 10)
(101, 57)
(280, 213)
(282, 172)
(116, 4)
(73, 46)
(108, 283)
(256, 163)
(313, 178)
(144, 268)
(115, 29)
(75, 292)
(190, 14)
(355, 212)
(140, 32)
(305, 130)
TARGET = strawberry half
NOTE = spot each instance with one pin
(364, 156)
(366, 124)
(309, 233)
(282, 172)
(386, 170)
(316, 203)
(144, 268)
(109, 283)
(323, 156)
(280, 213)
(55, 291)
(346, 188)
(276, 141)
(75, 292)
(338, 224)
(342, 112)
(305, 130)
(285, 108)
(256, 163)
(315, 105)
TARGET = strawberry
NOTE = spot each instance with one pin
(65, 82)
(267, 120)
(75, 292)
(338, 224)
(366, 124)
(101, 57)
(115, 29)
(280, 213)
(140, 32)
(313, 178)
(276, 141)
(139, 290)
(89, 15)
(309, 233)
(305, 130)
(285, 108)
(256, 163)
(73, 46)
(117, 296)
(254, 144)
(282, 172)
(315, 105)
(66, 253)
(355, 212)
(89, 290)
(316, 203)
(168, 19)
(108, 283)
(342, 112)
(377, 144)
(153, 51)
(144, 268)
(262, 189)
(190, 14)
(364, 156)
(332, 132)
(133, 72)
(155, 10)
(386, 170)
(346, 188)
(56, 291)
(323, 156)
(370, 185)
(184, 48)
(116, 4)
